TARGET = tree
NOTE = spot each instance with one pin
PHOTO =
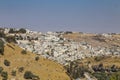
(100, 76)
(6, 63)
(1, 47)
(13, 73)
(24, 52)
(2, 34)
(37, 58)
(10, 39)
(1, 69)
(11, 30)
(30, 75)
(21, 69)
(4, 75)
(22, 30)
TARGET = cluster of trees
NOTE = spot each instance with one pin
(1, 47)
(2, 34)
(22, 30)
(109, 73)
(3, 74)
(107, 76)
(101, 68)
(68, 32)
(27, 74)
(10, 39)
(76, 70)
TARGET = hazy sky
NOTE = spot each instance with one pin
(61, 15)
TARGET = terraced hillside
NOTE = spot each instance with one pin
(20, 63)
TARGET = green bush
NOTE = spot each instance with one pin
(22, 30)
(21, 69)
(30, 75)
(10, 39)
(24, 52)
(2, 34)
(107, 76)
(13, 73)
(12, 30)
(75, 70)
(1, 69)
(6, 63)
(1, 47)
(100, 76)
(37, 58)
(4, 75)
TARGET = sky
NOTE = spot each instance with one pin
(94, 16)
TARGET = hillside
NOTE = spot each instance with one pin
(104, 66)
(44, 68)
(83, 55)
(103, 40)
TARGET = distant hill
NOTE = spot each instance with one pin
(44, 68)
(103, 40)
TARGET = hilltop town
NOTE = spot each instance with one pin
(65, 47)
(60, 47)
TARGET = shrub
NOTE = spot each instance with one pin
(100, 76)
(13, 73)
(1, 47)
(10, 39)
(76, 71)
(22, 30)
(1, 69)
(6, 63)
(11, 30)
(21, 69)
(37, 58)
(4, 75)
(30, 75)
(2, 34)
(24, 52)
(68, 32)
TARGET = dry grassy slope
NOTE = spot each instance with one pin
(107, 61)
(44, 68)
(89, 38)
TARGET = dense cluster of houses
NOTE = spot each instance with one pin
(53, 45)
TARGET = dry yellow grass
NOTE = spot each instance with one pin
(89, 38)
(107, 61)
(44, 68)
